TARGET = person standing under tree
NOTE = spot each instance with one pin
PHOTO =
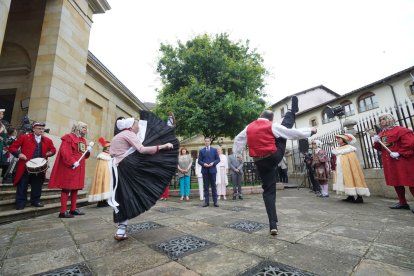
(283, 170)
(221, 178)
(236, 172)
(208, 159)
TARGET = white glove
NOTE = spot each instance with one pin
(89, 148)
(375, 138)
(394, 155)
(75, 165)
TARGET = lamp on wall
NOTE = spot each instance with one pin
(24, 104)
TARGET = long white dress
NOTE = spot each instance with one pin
(200, 180)
(221, 178)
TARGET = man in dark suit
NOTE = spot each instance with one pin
(208, 159)
(236, 172)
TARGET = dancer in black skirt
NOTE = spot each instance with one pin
(141, 169)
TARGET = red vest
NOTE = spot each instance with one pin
(260, 138)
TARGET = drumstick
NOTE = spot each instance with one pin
(83, 155)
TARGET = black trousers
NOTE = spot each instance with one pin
(36, 183)
(267, 169)
(283, 175)
(209, 179)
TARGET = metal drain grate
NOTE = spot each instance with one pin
(73, 270)
(246, 226)
(168, 209)
(143, 226)
(275, 269)
(182, 246)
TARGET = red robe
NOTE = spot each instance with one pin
(63, 176)
(27, 144)
(397, 172)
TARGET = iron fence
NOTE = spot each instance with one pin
(371, 158)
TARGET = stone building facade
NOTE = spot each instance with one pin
(47, 72)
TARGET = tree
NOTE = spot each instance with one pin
(212, 85)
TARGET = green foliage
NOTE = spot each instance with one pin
(212, 85)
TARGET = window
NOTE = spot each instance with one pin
(325, 118)
(282, 112)
(412, 89)
(367, 102)
(348, 108)
(313, 122)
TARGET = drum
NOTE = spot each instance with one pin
(37, 165)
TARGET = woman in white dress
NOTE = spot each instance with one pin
(221, 178)
(200, 180)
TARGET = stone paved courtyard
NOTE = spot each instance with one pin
(316, 237)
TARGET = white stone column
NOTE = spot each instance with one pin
(59, 75)
(4, 14)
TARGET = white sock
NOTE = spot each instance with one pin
(122, 227)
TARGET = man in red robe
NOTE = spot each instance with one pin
(27, 147)
(399, 163)
(68, 172)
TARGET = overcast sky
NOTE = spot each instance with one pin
(343, 45)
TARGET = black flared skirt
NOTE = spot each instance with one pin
(142, 178)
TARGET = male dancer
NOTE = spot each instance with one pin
(267, 143)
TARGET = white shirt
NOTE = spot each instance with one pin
(278, 130)
(38, 138)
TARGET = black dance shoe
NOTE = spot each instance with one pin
(37, 204)
(349, 199)
(400, 206)
(77, 212)
(65, 215)
(359, 199)
(205, 205)
(295, 106)
(216, 205)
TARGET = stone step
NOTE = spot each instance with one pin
(4, 195)
(9, 187)
(30, 212)
(9, 204)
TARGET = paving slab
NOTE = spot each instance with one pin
(128, 262)
(317, 236)
(370, 267)
(41, 262)
(169, 269)
(391, 254)
(219, 260)
(320, 262)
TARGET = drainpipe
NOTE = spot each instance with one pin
(395, 100)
